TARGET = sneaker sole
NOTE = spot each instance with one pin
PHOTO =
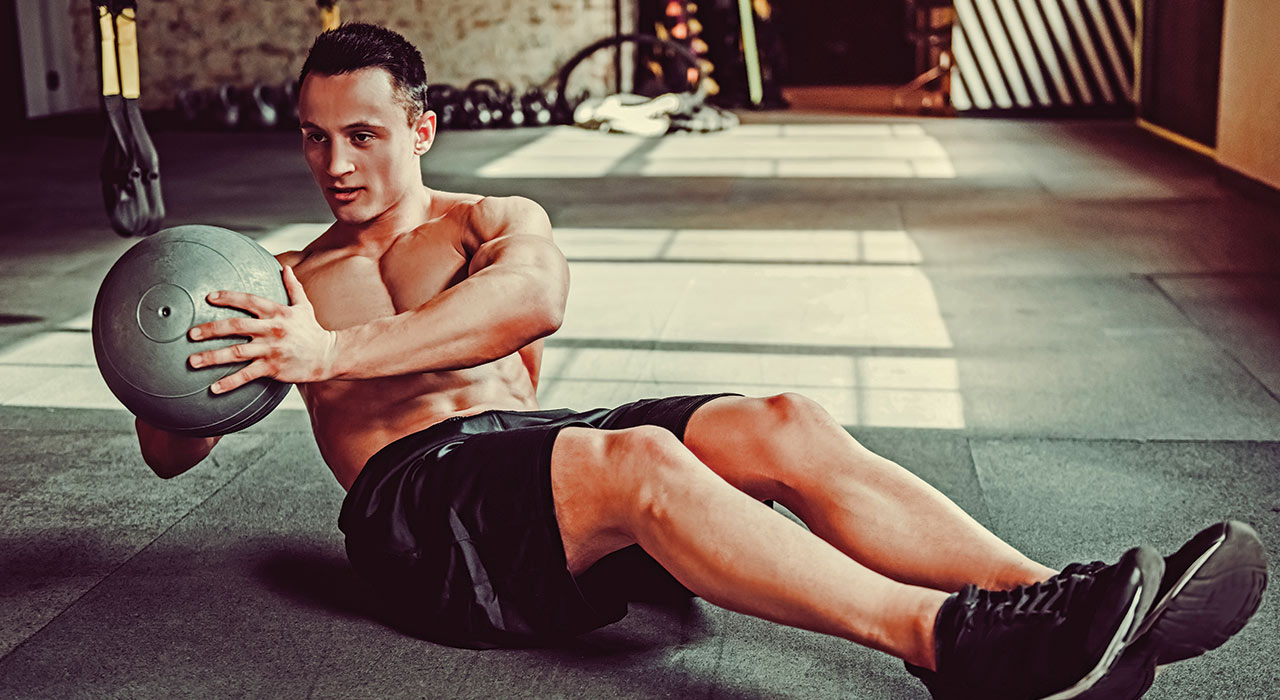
(1151, 566)
(1130, 677)
(1213, 599)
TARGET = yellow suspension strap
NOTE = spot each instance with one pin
(107, 54)
(127, 50)
(130, 171)
(330, 17)
(750, 52)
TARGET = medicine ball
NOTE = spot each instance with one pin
(151, 297)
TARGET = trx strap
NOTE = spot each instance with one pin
(750, 53)
(130, 170)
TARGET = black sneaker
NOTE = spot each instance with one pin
(1211, 587)
(1048, 641)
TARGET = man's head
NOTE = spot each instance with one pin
(365, 121)
(357, 46)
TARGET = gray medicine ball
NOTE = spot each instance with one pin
(151, 297)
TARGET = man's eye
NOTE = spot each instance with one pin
(363, 138)
(314, 138)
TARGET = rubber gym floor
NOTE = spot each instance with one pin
(1067, 327)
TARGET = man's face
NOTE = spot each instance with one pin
(357, 141)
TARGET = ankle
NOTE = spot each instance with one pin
(924, 652)
(1021, 575)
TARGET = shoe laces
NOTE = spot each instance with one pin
(1076, 569)
(1083, 569)
(1049, 598)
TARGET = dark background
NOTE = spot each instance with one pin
(843, 42)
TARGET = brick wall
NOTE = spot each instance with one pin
(204, 43)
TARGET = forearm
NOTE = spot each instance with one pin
(169, 455)
(486, 317)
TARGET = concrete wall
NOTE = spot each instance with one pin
(1249, 99)
(203, 43)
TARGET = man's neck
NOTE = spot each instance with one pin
(404, 216)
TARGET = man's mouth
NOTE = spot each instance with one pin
(345, 194)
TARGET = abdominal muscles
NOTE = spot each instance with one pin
(352, 420)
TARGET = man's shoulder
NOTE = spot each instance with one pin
(500, 212)
(488, 218)
(293, 258)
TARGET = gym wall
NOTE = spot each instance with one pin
(1249, 99)
(205, 43)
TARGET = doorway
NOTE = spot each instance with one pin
(1182, 67)
(45, 43)
(844, 42)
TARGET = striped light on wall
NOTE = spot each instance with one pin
(1018, 55)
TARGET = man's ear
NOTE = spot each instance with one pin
(424, 133)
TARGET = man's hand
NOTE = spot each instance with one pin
(286, 343)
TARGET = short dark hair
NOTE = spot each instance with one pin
(357, 45)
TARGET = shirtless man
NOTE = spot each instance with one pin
(415, 336)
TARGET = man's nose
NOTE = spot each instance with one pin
(340, 161)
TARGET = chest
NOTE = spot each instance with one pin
(349, 289)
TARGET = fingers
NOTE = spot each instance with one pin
(254, 304)
(251, 327)
(297, 295)
(232, 354)
(240, 378)
(229, 355)
(269, 349)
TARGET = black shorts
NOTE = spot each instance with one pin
(455, 529)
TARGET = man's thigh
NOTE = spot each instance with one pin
(590, 489)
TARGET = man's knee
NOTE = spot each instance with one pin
(797, 436)
(800, 418)
(641, 443)
(623, 465)
(792, 410)
(774, 428)
(654, 465)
